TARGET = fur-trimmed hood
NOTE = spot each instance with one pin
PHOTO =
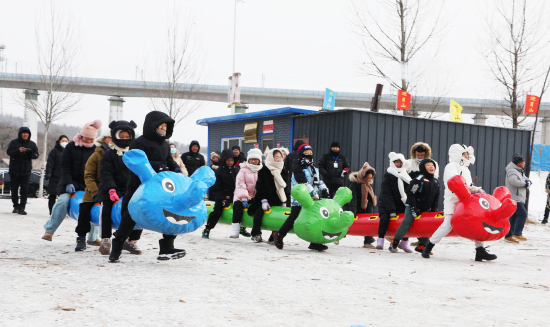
(425, 146)
(366, 167)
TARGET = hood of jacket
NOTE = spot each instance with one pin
(22, 130)
(226, 154)
(297, 144)
(58, 146)
(153, 120)
(195, 142)
(455, 154)
(512, 165)
(353, 177)
(425, 146)
(422, 167)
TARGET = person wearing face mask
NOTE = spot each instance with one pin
(422, 196)
(363, 199)
(157, 129)
(270, 190)
(21, 151)
(223, 190)
(460, 157)
(333, 166)
(73, 162)
(245, 190)
(53, 169)
(176, 155)
(419, 152)
(393, 196)
(304, 172)
(92, 178)
(114, 178)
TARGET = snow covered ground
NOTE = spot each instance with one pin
(226, 282)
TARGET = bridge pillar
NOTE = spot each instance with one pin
(545, 135)
(480, 119)
(115, 112)
(30, 119)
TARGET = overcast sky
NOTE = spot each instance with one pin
(298, 44)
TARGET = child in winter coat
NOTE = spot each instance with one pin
(92, 180)
(73, 162)
(363, 199)
(303, 172)
(223, 190)
(157, 129)
(215, 158)
(114, 178)
(270, 190)
(422, 196)
(246, 188)
(393, 196)
(177, 158)
(53, 169)
(460, 157)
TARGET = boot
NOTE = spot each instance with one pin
(511, 239)
(167, 250)
(94, 243)
(278, 241)
(270, 239)
(380, 243)
(257, 239)
(427, 250)
(206, 233)
(393, 246)
(47, 236)
(21, 210)
(116, 251)
(15, 209)
(545, 219)
(236, 229)
(131, 247)
(80, 243)
(404, 245)
(482, 254)
(317, 247)
(105, 247)
(420, 248)
(244, 232)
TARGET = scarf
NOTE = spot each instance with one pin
(309, 164)
(120, 151)
(366, 186)
(276, 168)
(402, 176)
(254, 168)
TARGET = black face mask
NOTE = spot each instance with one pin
(308, 156)
(122, 143)
(335, 153)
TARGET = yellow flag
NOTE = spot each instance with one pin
(456, 111)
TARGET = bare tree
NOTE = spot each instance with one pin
(179, 68)
(58, 51)
(395, 36)
(514, 51)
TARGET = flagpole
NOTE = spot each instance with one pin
(234, 35)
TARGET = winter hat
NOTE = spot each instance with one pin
(335, 144)
(105, 132)
(119, 126)
(254, 154)
(518, 158)
(215, 155)
(303, 148)
(456, 151)
(284, 151)
(236, 147)
(398, 156)
(90, 129)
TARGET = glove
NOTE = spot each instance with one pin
(177, 170)
(392, 215)
(245, 204)
(112, 194)
(315, 197)
(265, 205)
(47, 177)
(70, 189)
(283, 205)
(325, 194)
(345, 171)
(163, 168)
(528, 183)
(413, 212)
(225, 203)
(95, 198)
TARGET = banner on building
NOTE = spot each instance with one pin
(234, 89)
(251, 132)
(329, 102)
(268, 127)
(456, 111)
(531, 104)
(403, 100)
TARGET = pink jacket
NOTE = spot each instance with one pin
(245, 184)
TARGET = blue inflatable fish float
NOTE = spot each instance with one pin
(74, 210)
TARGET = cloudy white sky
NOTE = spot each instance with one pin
(294, 44)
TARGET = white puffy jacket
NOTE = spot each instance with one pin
(458, 165)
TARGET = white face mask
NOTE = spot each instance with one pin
(63, 144)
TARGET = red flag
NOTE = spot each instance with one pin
(403, 100)
(531, 104)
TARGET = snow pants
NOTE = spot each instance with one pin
(237, 212)
(517, 221)
(17, 182)
(215, 215)
(289, 222)
(445, 229)
(257, 224)
(59, 212)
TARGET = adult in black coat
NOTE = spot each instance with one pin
(223, 190)
(157, 129)
(240, 156)
(290, 161)
(193, 160)
(21, 151)
(332, 167)
(53, 169)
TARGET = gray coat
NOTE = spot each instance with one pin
(515, 182)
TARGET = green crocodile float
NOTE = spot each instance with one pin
(321, 221)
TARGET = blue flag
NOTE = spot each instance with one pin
(329, 99)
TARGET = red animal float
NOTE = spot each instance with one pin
(478, 217)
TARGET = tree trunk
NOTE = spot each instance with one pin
(44, 158)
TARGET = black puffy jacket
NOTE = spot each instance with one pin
(114, 175)
(355, 204)
(266, 189)
(331, 175)
(21, 162)
(423, 191)
(53, 168)
(224, 188)
(389, 199)
(73, 163)
(193, 160)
